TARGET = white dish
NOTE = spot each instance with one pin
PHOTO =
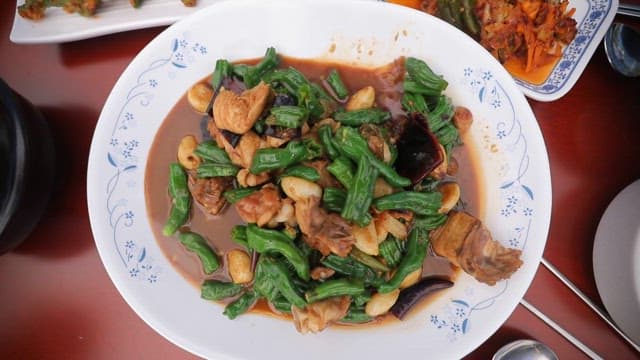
(616, 260)
(113, 16)
(509, 144)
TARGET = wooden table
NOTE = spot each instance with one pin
(57, 302)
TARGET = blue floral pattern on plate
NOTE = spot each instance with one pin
(516, 196)
(124, 158)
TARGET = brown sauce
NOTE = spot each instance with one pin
(183, 120)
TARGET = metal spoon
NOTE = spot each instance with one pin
(622, 46)
(525, 350)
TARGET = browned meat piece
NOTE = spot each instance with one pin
(465, 242)
(242, 153)
(322, 273)
(261, 206)
(326, 179)
(462, 119)
(238, 113)
(326, 232)
(208, 192)
(317, 316)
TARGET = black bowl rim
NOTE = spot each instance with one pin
(17, 153)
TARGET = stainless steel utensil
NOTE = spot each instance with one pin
(525, 350)
(588, 301)
(572, 339)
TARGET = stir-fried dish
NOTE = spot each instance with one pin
(35, 9)
(525, 33)
(343, 192)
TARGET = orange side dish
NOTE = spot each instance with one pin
(527, 36)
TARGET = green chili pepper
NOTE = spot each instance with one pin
(288, 116)
(216, 170)
(368, 260)
(181, 200)
(265, 240)
(350, 267)
(218, 290)
(223, 69)
(415, 252)
(419, 202)
(343, 170)
(198, 245)
(280, 277)
(356, 316)
(302, 171)
(254, 74)
(391, 251)
(355, 147)
(271, 159)
(241, 304)
(333, 199)
(362, 116)
(325, 133)
(239, 236)
(235, 195)
(209, 151)
(425, 79)
(360, 194)
(335, 287)
(336, 84)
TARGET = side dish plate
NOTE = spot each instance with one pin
(510, 150)
(616, 260)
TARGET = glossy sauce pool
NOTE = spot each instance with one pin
(183, 120)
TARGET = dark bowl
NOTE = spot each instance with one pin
(27, 163)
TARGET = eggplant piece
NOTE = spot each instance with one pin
(418, 149)
(231, 137)
(412, 295)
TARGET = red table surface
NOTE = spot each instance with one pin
(57, 302)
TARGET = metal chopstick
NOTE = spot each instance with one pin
(588, 301)
(572, 339)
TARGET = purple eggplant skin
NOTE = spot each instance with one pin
(412, 295)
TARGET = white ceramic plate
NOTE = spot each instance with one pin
(113, 16)
(515, 174)
(616, 260)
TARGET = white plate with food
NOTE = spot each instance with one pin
(503, 173)
(54, 24)
(616, 260)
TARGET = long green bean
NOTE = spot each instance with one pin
(265, 240)
(360, 194)
(362, 116)
(335, 287)
(198, 245)
(415, 252)
(272, 159)
(181, 199)
(355, 147)
(419, 202)
(336, 84)
(241, 304)
(219, 290)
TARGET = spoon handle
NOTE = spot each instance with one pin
(588, 301)
(572, 339)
